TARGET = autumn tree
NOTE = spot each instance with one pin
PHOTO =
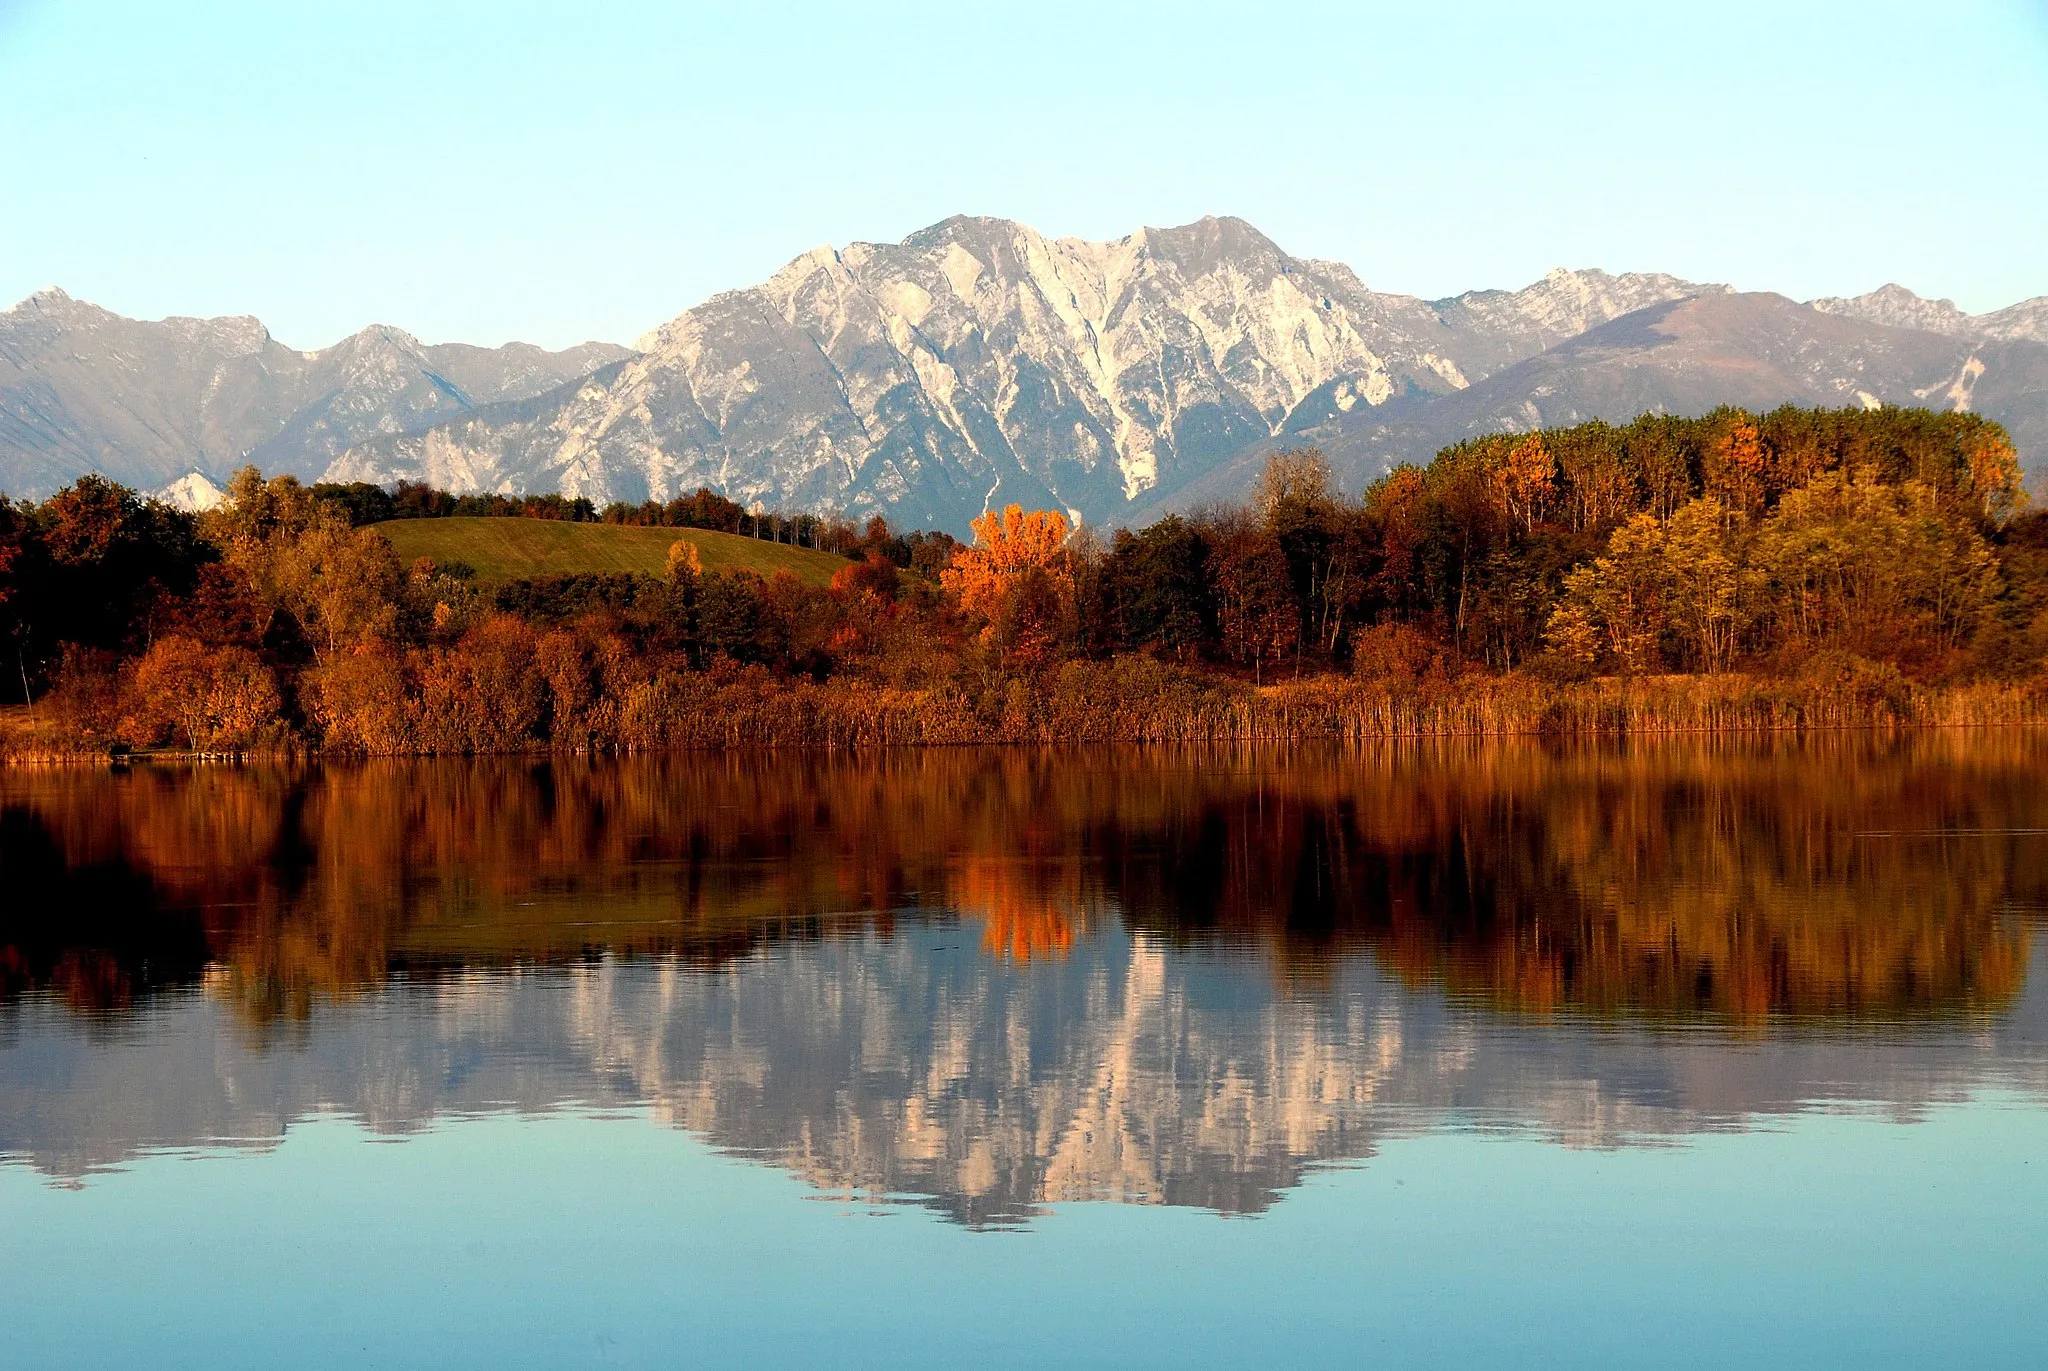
(1256, 615)
(339, 582)
(1993, 465)
(1878, 569)
(684, 564)
(484, 693)
(1017, 579)
(1616, 607)
(1738, 468)
(874, 576)
(108, 561)
(1705, 584)
(1679, 579)
(214, 698)
(363, 701)
(1525, 480)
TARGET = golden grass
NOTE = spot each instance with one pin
(510, 549)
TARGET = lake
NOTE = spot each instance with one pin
(1682, 1053)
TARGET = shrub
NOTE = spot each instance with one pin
(220, 699)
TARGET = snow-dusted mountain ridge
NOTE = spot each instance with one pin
(979, 361)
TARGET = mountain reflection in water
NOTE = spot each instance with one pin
(993, 980)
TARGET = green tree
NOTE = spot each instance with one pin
(1878, 569)
(1704, 583)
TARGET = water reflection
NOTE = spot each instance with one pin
(994, 980)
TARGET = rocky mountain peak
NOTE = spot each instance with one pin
(1567, 302)
(1897, 307)
(239, 335)
(192, 493)
(978, 361)
(52, 307)
(165, 404)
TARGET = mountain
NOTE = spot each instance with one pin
(192, 493)
(1757, 351)
(1895, 305)
(148, 403)
(979, 362)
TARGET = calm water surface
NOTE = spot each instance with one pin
(1520, 1055)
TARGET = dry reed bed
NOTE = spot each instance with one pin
(1139, 701)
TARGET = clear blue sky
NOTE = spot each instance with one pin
(490, 171)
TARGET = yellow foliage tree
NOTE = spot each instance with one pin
(1681, 578)
(1856, 563)
(340, 583)
(684, 565)
(1616, 605)
(1995, 475)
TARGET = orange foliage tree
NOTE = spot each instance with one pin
(1737, 468)
(1525, 480)
(1018, 578)
(216, 698)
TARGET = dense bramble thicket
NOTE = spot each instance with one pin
(1873, 553)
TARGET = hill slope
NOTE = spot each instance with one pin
(507, 549)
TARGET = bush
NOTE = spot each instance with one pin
(218, 699)
(361, 701)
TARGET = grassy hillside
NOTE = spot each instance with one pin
(507, 549)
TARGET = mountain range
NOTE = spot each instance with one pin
(83, 389)
(979, 362)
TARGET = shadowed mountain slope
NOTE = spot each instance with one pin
(1756, 351)
(83, 389)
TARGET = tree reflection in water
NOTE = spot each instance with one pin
(1177, 975)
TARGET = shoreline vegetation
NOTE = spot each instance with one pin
(1139, 703)
(1798, 570)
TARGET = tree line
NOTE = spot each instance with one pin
(1892, 545)
(365, 502)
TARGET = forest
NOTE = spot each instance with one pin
(1797, 568)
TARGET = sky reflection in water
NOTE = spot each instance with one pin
(1527, 1054)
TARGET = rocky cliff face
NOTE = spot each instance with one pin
(979, 362)
(1897, 307)
(82, 389)
(1756, 351)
